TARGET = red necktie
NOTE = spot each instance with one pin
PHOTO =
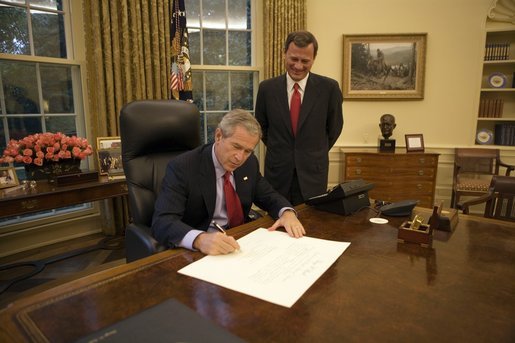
(295, 108)
(232, 203)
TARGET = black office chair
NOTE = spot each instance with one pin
(152, 133)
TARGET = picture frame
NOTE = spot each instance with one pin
(109, 154)
(384, 66)
(414, 142)
(8, 177)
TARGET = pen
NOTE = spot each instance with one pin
(221, 229)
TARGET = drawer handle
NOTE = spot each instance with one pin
(358, 171)
(422, 160)
(358, 159)
(419, 186)
(420, 172)
(29, 204)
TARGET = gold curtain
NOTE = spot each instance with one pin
(281, 18)
(127, 58)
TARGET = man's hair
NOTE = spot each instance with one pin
(301, 39)
(384, 117)
(239, 117)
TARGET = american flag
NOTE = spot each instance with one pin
(180, 73)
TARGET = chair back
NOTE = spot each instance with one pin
(473, 170)
(501, 204)
(152, 133)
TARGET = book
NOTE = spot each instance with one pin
(169, 321)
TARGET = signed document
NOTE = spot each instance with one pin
(271, 265)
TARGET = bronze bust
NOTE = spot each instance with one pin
(387, 124)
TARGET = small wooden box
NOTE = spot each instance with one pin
(422, 236)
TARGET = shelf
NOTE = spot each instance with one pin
(495, 119)
(499, 62)
(497, 89)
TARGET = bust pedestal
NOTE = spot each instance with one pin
(386, 145)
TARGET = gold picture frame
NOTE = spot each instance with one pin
(109, 154)
(8, 177)
(414, 142)
(384, 66)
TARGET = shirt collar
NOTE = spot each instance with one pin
(219, 169)
(290, 82)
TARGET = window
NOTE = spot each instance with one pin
(224, 74)
(40, 83)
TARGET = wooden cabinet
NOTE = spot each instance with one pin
(396, 176)
(496, 113)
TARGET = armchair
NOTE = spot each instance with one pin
(473, 171)
(499, 201)
(152, 133)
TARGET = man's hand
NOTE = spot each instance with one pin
(215, 243)
(291, 223)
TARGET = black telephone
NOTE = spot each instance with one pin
(398, 209)
(345, 198)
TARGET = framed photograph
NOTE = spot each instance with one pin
(414, 142)
(109, 153)
(8, 177)
(384, 66)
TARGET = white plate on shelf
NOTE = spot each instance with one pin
(497, 80)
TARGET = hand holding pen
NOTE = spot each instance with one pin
(216, 244)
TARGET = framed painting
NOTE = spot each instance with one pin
(109, 153)
(414, 143)
(384, 66)
(8, 177)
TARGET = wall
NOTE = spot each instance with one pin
(455, 42)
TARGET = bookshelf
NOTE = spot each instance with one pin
(496, 112)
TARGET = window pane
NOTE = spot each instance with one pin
(242, 91)
(213, 14)
(48, 32)
(217, 91)
(212, 123)
(239, 14)
(20, 87)
(194, 41)
(64, 124)
(192, 12)
(14, 36)
(214, 47)
(3, 142)
(20, 127)
(239, 48)
(47, 4)
(56, 82)
(198, 90)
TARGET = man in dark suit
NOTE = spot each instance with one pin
(297, 161)
(192, 197)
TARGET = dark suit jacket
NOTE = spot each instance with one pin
(188, 194)
(320, 124)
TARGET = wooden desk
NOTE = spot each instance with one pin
(462, 289)
(47, 196)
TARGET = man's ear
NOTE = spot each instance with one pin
(218, 134)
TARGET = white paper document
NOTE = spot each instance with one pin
(271, 265)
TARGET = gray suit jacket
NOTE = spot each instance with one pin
(188, 194)
(320, 125)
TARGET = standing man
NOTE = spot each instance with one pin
(212, 188)
(301, 117)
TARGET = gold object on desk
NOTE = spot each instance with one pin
(415, 231)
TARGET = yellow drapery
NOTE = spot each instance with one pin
(127, 58)
(280, 18)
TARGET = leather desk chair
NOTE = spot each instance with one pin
(473, 171)
(152, 133)
(499, 201)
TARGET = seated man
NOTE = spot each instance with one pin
(193, 194)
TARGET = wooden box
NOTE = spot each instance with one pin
(423, 235)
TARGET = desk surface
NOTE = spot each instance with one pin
(460, 289)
